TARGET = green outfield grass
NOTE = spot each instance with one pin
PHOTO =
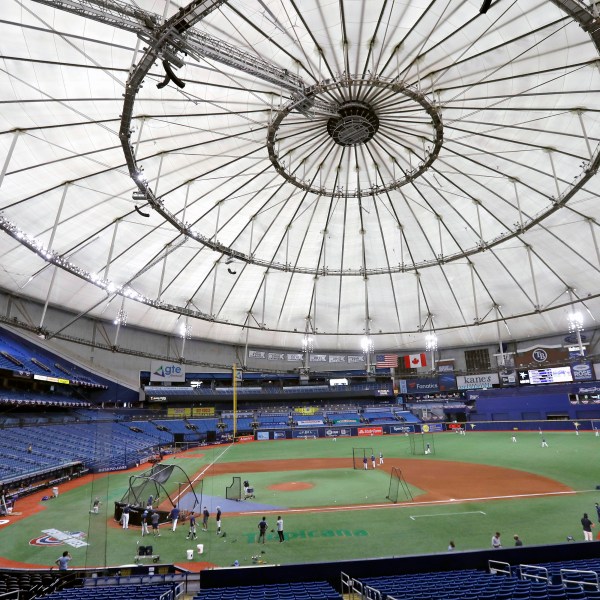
(317, 534)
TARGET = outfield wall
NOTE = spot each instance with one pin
(447, 561)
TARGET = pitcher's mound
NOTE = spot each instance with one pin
(291, 486)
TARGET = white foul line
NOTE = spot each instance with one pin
(414, 504)
(468, 512)
(199, 476)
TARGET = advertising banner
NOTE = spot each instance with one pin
(477, 382)
(306, 410)
(364, 431)
(279, 435)
(275, 356)
(431, 427)
(402, 428)
(508, 377)
(301, 433)
(422, 385)
(356, 359)
(318, 358)
(338, 432)
(309, 423)
(582, 371)
(203, 411)
(294, 357)
(179, 412)
(336, 358)
(161, 370)
(257, 354)
(245, 438)
(262, 435)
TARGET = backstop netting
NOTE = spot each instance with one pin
(358, 456)
(398, 488)
(234, 491)
(421, 443)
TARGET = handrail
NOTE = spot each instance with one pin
(345, 583)
(531, 575)
(494, 570)
(370, 593)
(592, 573)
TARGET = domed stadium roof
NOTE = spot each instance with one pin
(267, 168)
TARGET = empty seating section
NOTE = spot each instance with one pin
(101, 445)
(471, 584)
(117, 592)
(36, 399)
(21, 356)
(317, 590)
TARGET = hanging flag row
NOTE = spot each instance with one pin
(410, 361)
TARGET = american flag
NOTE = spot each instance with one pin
(383, 361)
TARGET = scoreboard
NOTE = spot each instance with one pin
(550, 375)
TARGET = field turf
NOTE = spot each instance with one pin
(342, 514)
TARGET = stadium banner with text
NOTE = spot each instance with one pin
(364, 431)
(306, 410)
(179, 412)
(203, 411)
(422, 385)
(161, 370)
(245, 438)
(279, 435)
(582, 371)
(431, 427)
(338, 432)
(302, 433)
(262, 435)
(477, 382)
(310, 423)
(401, 428)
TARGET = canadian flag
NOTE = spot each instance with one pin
(414, 361)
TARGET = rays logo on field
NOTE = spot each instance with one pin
(55, 537)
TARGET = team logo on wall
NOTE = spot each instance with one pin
(55, 537)
(539, 355)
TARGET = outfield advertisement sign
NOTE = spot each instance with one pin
(262, 435)
(338, 432)
(279, 435)
(245, 438)
(300, 433)
(364, 431)
(402, 428)
(431, 427)
(312, 423)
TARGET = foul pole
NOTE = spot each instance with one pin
(234, 401)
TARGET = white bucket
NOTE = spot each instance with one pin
(200, 548)
(190, 554)
(55, 492)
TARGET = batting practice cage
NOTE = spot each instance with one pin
(165, 483)
(398, 488)
(358, 456)
(421, 443)
(234, 491)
